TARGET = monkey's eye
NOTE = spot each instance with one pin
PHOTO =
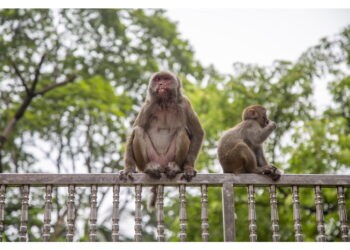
(157, 78)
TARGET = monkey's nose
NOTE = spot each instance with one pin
(162, 85)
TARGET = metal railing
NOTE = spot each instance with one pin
(226, 181)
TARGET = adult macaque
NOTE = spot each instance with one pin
(240, 148)
(166, 135)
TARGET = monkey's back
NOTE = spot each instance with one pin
(229, 140)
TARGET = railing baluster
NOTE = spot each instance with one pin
(319, 214)
(296, 214)
(93, 213)
(183, 215)
(138, 218)
(274, 214)
(228, 212)
(342, 214)
(49, 181)
(252, 216)
(2, 209)
(70, 213)
(160, 212)
(204, 213)
(24, 213)
(47, 213)
(115, 213)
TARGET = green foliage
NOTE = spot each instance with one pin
(82, 126)
(322, 147)
(303, 142)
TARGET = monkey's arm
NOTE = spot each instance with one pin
(196, 134)
(262, 134)
(260, 157)
(129, 158)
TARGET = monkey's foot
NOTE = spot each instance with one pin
(188, 174)
(276, 174)
(272, 171)
(125, 174)
(154, 170)
(171, 170)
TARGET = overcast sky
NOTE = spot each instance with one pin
(223, 36)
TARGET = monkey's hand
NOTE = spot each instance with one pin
(127, 173)
(189, 173)
(276, 174)
(272, 124)
(272, 171)
(268, 169)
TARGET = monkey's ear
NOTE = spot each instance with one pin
(179, 88)
(178, 81)
(250, 114)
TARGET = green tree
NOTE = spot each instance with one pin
(49, 125)
(49, 48)
(304, 142)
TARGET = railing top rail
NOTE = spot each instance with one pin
(209, 179)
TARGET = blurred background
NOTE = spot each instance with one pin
(73, 80)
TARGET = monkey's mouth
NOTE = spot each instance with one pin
(266, 122)
(162, 90)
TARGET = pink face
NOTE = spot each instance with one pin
(163, 83)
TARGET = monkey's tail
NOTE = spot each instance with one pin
(151, 203)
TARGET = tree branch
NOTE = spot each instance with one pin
(18, 73)
(37, 73)
(23, 107)
(18, 115)
(55, 85)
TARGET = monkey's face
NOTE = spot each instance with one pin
(262, 118)
(163, 85)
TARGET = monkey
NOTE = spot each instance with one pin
(240, 148)
(166, 136)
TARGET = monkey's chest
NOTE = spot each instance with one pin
(162, 130)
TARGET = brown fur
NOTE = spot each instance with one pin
(166, 135)
(240, 148)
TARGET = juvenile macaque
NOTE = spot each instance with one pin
(240, 148)
(166, 135)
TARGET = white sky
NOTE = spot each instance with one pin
(224, 36)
